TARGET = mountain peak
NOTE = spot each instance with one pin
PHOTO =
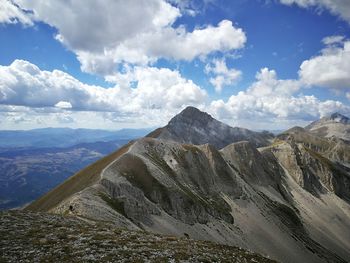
(335, 125)
(193, 126)
(337, 117)
(191, 113)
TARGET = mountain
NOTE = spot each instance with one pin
(335, 125)
(63, 137)
(193, 126)
(288, 200)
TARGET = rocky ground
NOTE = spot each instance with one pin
(41, 237)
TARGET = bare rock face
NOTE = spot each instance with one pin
(288, 200)
(317, 164)
(335, 125)
(253, 166)
(193, 126)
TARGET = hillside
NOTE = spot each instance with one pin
(42, 237)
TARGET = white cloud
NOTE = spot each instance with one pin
(24, 84)
(106, 33)
(337, 7)
(30, 97)
(270, 101)
(12, 14)
(330, 69)
(96, 25)
(223, 76)
(169, 43)
(63, 105)
(331, 40)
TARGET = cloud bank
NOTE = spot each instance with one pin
(106, 33)
(339, 8)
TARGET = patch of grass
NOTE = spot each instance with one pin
(277, 142)
(155, 133)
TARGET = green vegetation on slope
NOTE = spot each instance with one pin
(41, 237)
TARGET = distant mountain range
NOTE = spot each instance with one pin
(63, 137)
(285, 197)
(33, 162)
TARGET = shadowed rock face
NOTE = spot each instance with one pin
(317, 164)
(335, 125)
(193, 126)
(289, 200)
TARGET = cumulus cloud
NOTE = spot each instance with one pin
(272, 100)
(24, 84)
(12, 14)
(63, 105)
(223, 76)
(106, 33)
(96, 25)
(330, 69)
(340, 8)
(169, 43)
(148, 97)
(331, 40)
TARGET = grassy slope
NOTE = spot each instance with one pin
(79, 181)
(41, 237)
(155, 133)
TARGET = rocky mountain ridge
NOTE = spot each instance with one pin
(288, 200)
(193, 126)
(336, 125)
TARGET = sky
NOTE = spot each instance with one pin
(113, 64)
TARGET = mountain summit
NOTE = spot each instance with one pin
(337, 117)
(335, 125)
(193, 126)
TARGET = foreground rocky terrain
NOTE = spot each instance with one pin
(288, 199)
(40, 237)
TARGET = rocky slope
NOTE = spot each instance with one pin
(289, 200)
(34, 237)
(335, 125)
(193, 126)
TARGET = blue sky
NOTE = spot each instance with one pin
(261, 64)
